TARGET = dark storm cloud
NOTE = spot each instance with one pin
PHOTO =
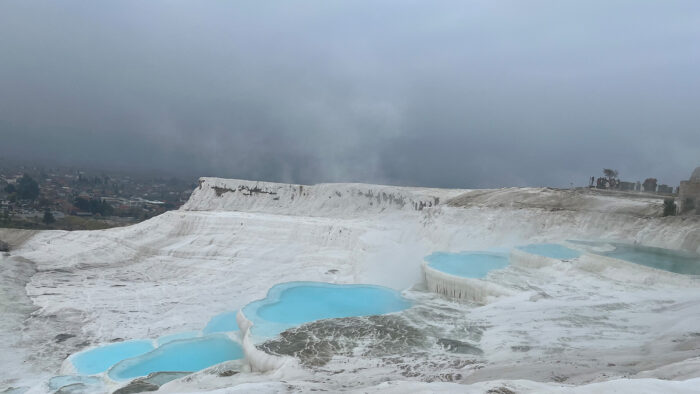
(453, 93)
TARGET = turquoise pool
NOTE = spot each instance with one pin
(679, 262)
(467, 264)
(177, 336)
(222, 323)
(187, 355)
(285, 306)
(294, 303)
(554, 251)
(186, 351)
(100, 359)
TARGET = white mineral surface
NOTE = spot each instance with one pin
(578, 326)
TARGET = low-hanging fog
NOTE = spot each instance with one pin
(451, 94)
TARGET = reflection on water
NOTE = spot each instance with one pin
(664, 259)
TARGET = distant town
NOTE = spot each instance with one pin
(44, 197)
(683, 199)
(610, 180)
(70, 198)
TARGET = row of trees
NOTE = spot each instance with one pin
(650, 184)
(25, 189)
(94, 206)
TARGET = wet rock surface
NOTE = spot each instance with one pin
(15, 390)
(62, 337)
(137, 386)
(383, 343)
(314, 344)
(152, 382)
(227, 373)
(161, 378)
(455, 346)
(80, 388)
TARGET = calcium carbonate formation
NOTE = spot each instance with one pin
(236, 239)
(258, 360)
(460, 288)
(463, 276)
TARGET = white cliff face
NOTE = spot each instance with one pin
(332, 199)
(235, 239)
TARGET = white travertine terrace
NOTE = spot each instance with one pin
(235, 239)
(461, 288)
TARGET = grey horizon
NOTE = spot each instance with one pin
(448, 94)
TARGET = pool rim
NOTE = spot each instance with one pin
(68, 367)
(201, 338)
(614, 261)
(275, 292)
(505, 255)
(482, 288)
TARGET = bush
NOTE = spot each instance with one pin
(27, 188)
(94, 206)
(48, 217)
(669, 207)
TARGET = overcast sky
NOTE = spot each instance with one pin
(433, 93)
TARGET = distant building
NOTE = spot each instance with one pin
(629, 186)
(115, 201)
(689, 194)
(665, 189)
